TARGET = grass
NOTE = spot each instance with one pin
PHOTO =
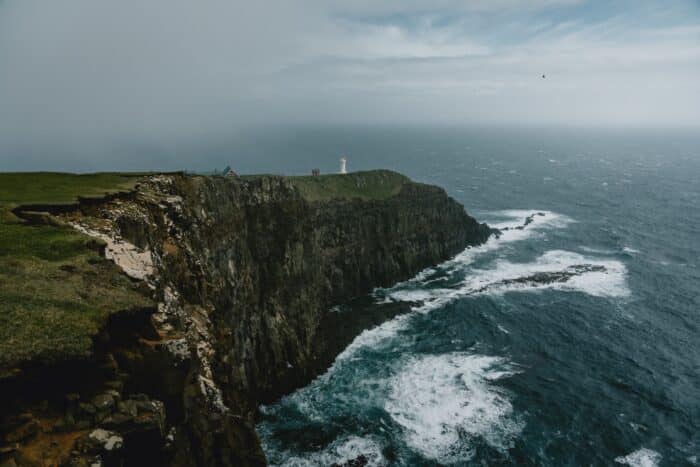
(60, 188)
(56, 291)
(368, 185)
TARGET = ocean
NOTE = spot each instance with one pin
(572, 339)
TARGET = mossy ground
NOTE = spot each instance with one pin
(368, 185)
(56, 291)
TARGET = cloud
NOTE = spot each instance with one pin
(83, 74)
(366, 8)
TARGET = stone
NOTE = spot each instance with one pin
(103, 401)
(8, 463)
(116, 385)
(140, 397)
(359, 461)
(106, 440)
(9, 448)
(27, 430)
(83, 425)
(101, 416)
(87, 408)
(118, 421)
(128, 407)
(61, 427)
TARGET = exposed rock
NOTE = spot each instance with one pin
(26, 430)
(135, 262)
(106, 440)
(244, 271)
(103, 401)
(544, 278)
(87, 408)
(359, 461)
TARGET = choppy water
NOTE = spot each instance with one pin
(573, 341)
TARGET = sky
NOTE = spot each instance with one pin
(77, 75)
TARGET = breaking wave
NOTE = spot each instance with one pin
(514, 226)
(443, 403)
(556, 269)
(364, 451)
(641, 458)
(454, 279)
(444, 406)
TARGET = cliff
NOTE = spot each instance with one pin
(239, 274)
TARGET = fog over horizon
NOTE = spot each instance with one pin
(80, 79)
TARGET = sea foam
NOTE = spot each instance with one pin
(512, 224)
(640, 458)
(339, 452)
(444, 402)
(554, 270)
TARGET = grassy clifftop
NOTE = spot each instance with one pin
(55, 289)
(367, 185)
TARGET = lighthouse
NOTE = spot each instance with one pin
(343, 161)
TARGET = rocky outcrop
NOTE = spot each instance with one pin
(244, 271)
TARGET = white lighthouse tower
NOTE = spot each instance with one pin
(343, 161)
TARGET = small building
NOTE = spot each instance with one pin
(315, 172)
(228, 172)
(343, 163)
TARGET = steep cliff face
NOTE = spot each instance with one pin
(244, 271)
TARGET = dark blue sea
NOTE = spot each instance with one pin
(572, 341)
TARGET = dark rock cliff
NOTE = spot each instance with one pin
(244, 271)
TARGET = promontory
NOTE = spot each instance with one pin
(145, 317)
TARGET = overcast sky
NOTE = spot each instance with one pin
(86, 71)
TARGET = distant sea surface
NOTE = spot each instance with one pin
(574, 341)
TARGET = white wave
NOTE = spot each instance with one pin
(505, 276)
(444, 402)
(508, 221)
(598, 251)
(414, 295)
(510, 218)
(641, 458)
(503, 330)
(339, 452)
(610, 282)
(630, 251)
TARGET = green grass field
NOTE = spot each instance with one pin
(368, 185)
(55, 289)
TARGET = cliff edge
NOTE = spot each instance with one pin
(236, 276)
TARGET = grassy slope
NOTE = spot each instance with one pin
(55, 291)
(374, 184)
